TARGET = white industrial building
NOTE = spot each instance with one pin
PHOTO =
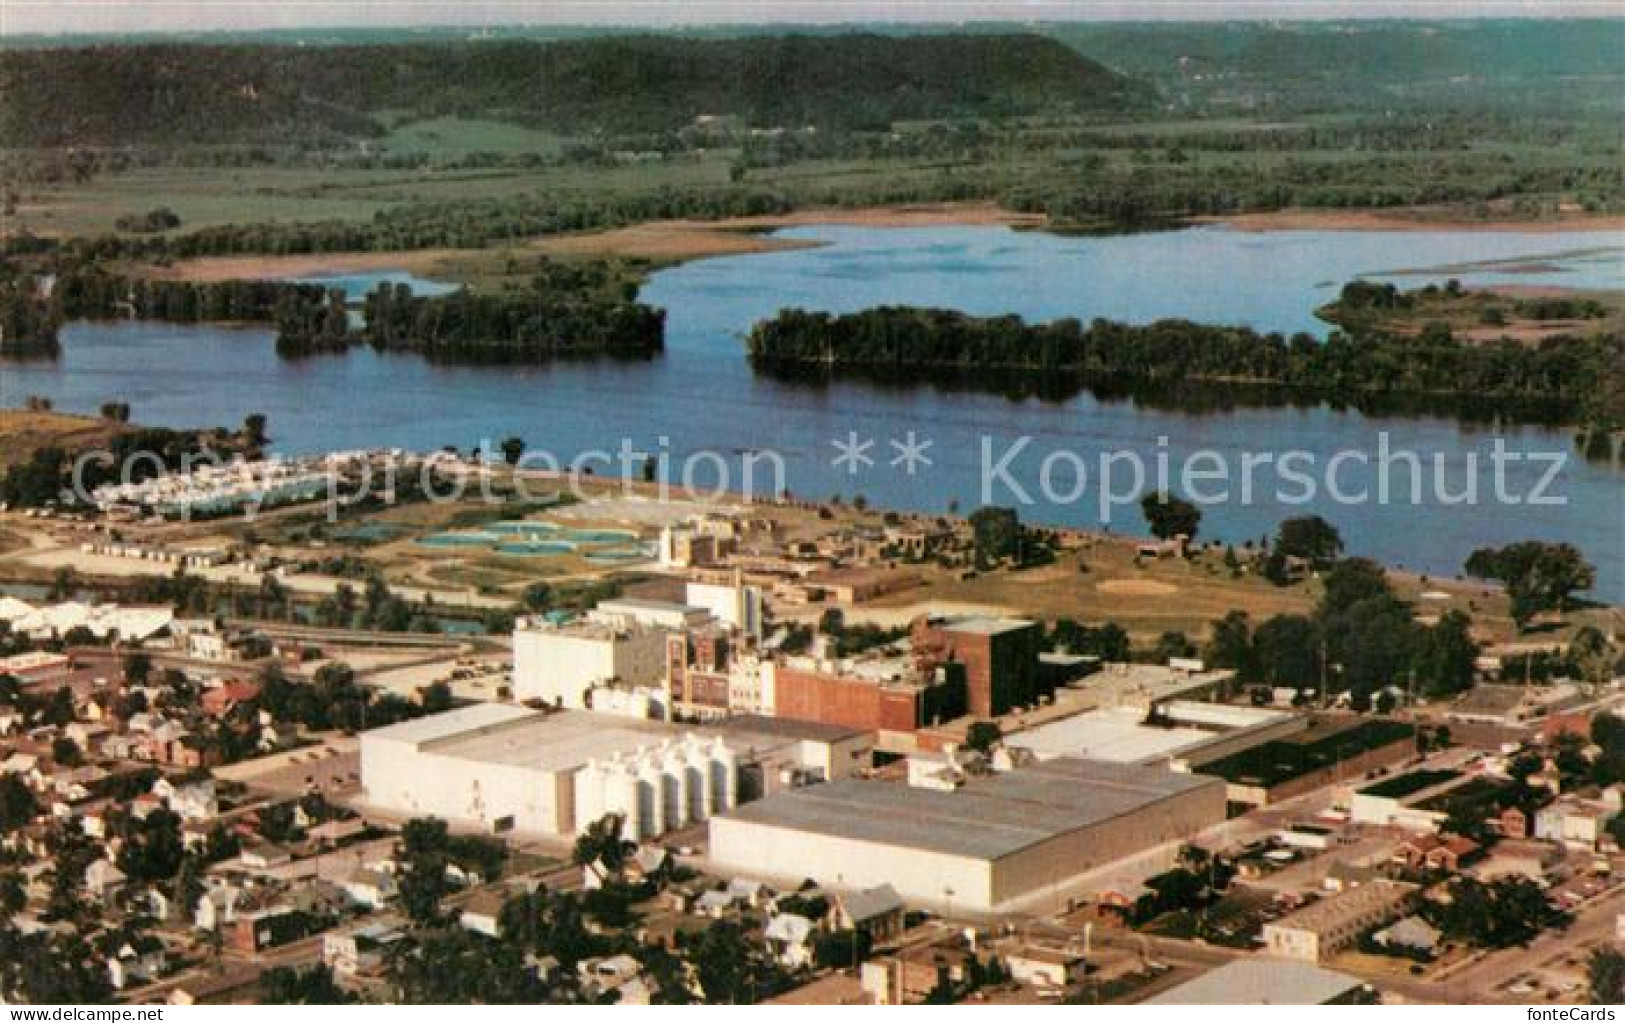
(736, 604)
(1183, 733)
(557, 663)
(997, 843)
(505, 768)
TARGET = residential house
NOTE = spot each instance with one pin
(877, 912)
(362, 950)
(103, 879)
(790, 939)
(1046, 967)
(1578, 822)
(1410, 933)
(482, 913)
(369, 888)
(138, 960)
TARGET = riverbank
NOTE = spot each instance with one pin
(1411, 219)
(659, 242)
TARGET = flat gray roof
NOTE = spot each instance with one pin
(986, 625)
(988, 818)
(509, 736)
(1261, 982)
(788, 728)
(453, 722)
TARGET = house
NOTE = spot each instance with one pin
(217, 907)
(264, 856)
(222, 699)
(1436, 852)
(1578, 822)
(103, 879)
(483, 912)
(1046, 967)
(620, 973)
(267, 926)
(139, 960)
(1518, 857)
(1512, 823)
(1412, 933)
(362, 950)
(714, 904)
(369, 888)
(877, 912)
(189, 800)
(789, 937)
(649, 863)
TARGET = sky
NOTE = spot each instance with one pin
(66, 16)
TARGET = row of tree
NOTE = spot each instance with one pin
(904, 344)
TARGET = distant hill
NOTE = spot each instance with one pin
(198, 94)
(1504, 62)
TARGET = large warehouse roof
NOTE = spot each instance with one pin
(987, 819)
(1261, 982)
(453, 723)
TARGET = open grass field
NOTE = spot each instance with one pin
(23, 432)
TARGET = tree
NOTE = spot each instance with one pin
(982, 736)
(18, 805)
(1447, 656)
(537, 597)
(1350, 582)
(1169, 516)
(1538, 576)
(1231, 646)
(513, 449)
(66, 752)
(1171, 645)
(310, 985)
(254, 430)
(152, 849)
(602, 843)
(1605, 974)
(1499, 914)
(997, 535)
(1287, 648)
(137, 668)
(1593, 657)
(733, 970)
(1309, 537)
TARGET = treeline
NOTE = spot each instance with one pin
(91, 293)
(135, 94)
(566, 311)
(461, 224)
(1568, 376)
(521, 326)
(1175, 188)
(28, 321)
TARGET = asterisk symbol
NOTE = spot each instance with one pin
(911, 453)
(854, 453)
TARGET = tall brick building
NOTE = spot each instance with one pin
(999, 655)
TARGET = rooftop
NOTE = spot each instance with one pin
(982, 625)
(987, 819)
(789, 728)
(1330, 913)
(1261, 982)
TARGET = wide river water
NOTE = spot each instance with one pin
(702, 397)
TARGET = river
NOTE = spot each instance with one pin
(701, 395)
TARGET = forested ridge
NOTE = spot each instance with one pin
(1567, 377)
(123, 95)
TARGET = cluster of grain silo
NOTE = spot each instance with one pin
(659, 788)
